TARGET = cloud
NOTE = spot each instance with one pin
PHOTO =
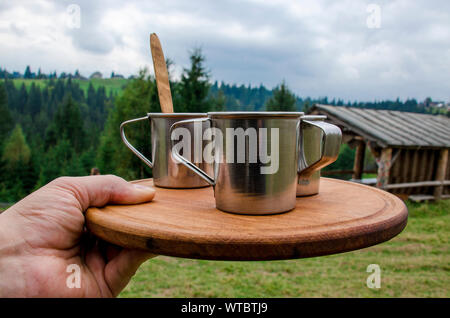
(321, 48)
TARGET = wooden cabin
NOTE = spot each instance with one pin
(411, 149)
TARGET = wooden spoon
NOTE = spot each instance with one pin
(161, 74)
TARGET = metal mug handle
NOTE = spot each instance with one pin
(184, 161)
(130, 146)
(331, 142)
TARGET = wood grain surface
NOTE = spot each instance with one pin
(161, 74)
(344, 216)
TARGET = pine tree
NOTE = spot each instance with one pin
(45, 97)
(73, 167)
(100, 98)
(6, 122)
(27, 73)
(17, 169)
(194, 85)
(34, 102)
(58, 91)
(91, 96)
(12, 95)
(16, 148)
(40, 75)
(56, 161)
(306, 106)
(218, 102)
(282, 99)
(87, 160)
(22, 99)
(51, 136)
(69, 124)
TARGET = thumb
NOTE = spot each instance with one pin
(100, 190)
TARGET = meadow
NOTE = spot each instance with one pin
(416, 263)
(114, 85)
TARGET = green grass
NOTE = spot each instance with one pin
(416, 263)
(115, 85)
(19, 81)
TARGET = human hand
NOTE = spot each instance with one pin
(44, 233)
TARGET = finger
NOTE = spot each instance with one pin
(100, 190)
(122, 268)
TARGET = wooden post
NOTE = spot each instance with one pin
(440, 173)
(358, 164)
(384, 165)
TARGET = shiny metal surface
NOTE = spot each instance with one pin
(166, 172)
(241, 187)
(319, 147)
(257, 115)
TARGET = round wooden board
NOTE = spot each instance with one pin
(344, 216)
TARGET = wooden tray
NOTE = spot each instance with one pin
(345, 216)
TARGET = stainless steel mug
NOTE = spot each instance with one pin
(166, 172)
(319, 147)
(255, 160)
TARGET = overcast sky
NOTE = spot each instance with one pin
(341, 49)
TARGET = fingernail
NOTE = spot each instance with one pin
(140, 187)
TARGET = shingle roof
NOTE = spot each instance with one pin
(392, 128)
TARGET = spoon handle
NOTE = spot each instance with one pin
(161, 74)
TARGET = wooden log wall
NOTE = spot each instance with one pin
(415, 165)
